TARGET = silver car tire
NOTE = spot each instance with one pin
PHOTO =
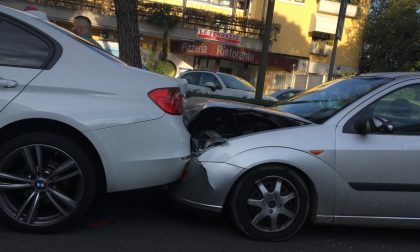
(47, 181)
(270, 203)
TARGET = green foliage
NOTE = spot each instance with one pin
(391, 38)
(171, 15)
(155, 64)
(161, 14)
(164, 67)
(264, 103)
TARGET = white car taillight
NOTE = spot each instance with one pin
(170, 100)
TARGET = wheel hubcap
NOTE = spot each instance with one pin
(40, 185)
(272, 204)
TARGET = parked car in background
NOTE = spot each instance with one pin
(344, 152)
(285, 94)
(219, 84)
(75, 120)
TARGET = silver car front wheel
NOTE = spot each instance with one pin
(270, 203)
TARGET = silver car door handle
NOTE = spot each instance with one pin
(8, 83)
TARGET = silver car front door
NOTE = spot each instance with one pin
(192, 79)
(378, 167)
(23, 55)
(211, 78)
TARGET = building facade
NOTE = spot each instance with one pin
(226, 35)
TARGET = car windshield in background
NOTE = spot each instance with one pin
(236, 82)
(320, 103)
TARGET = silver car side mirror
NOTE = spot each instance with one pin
(378, 124)
(211, 85)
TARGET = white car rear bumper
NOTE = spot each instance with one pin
(143, 154)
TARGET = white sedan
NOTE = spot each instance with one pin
(75, 120)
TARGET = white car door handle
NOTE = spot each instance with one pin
(8, 83)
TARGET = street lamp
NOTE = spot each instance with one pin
(338, 35)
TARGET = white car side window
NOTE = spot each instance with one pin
(20, 48)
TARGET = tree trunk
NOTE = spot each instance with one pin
(165, 43)
(128, 32)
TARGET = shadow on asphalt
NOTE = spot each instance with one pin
(153, 205)
(145, 220)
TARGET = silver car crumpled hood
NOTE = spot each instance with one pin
(211, 121)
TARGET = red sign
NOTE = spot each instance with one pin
(215, 50)
(232, 53)
(218, 36)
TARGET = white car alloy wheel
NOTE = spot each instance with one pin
(45, 181)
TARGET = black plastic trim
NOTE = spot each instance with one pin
(385, 187)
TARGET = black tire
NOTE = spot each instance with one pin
(57, 197)
(248, 203)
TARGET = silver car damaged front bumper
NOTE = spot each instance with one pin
(205, 185)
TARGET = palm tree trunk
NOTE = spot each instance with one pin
(128, 32)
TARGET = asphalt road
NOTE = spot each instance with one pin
(146, 221)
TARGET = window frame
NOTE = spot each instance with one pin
(217, 82)
(187, 73)
(55, 49)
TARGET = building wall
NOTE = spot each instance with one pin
(199, 5)
(294, 38)
(294, 20)
(209, 7)
(258, 9)
(350, 47)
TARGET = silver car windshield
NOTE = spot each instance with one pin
(320, 103)
(235, 82)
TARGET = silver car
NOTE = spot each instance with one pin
(344, 152)
(208, 83)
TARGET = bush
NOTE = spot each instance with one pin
(157, 64)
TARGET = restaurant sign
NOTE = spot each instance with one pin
(218, 36)
(215, 50)
(233, 53)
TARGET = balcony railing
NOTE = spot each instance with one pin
(185, 17)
